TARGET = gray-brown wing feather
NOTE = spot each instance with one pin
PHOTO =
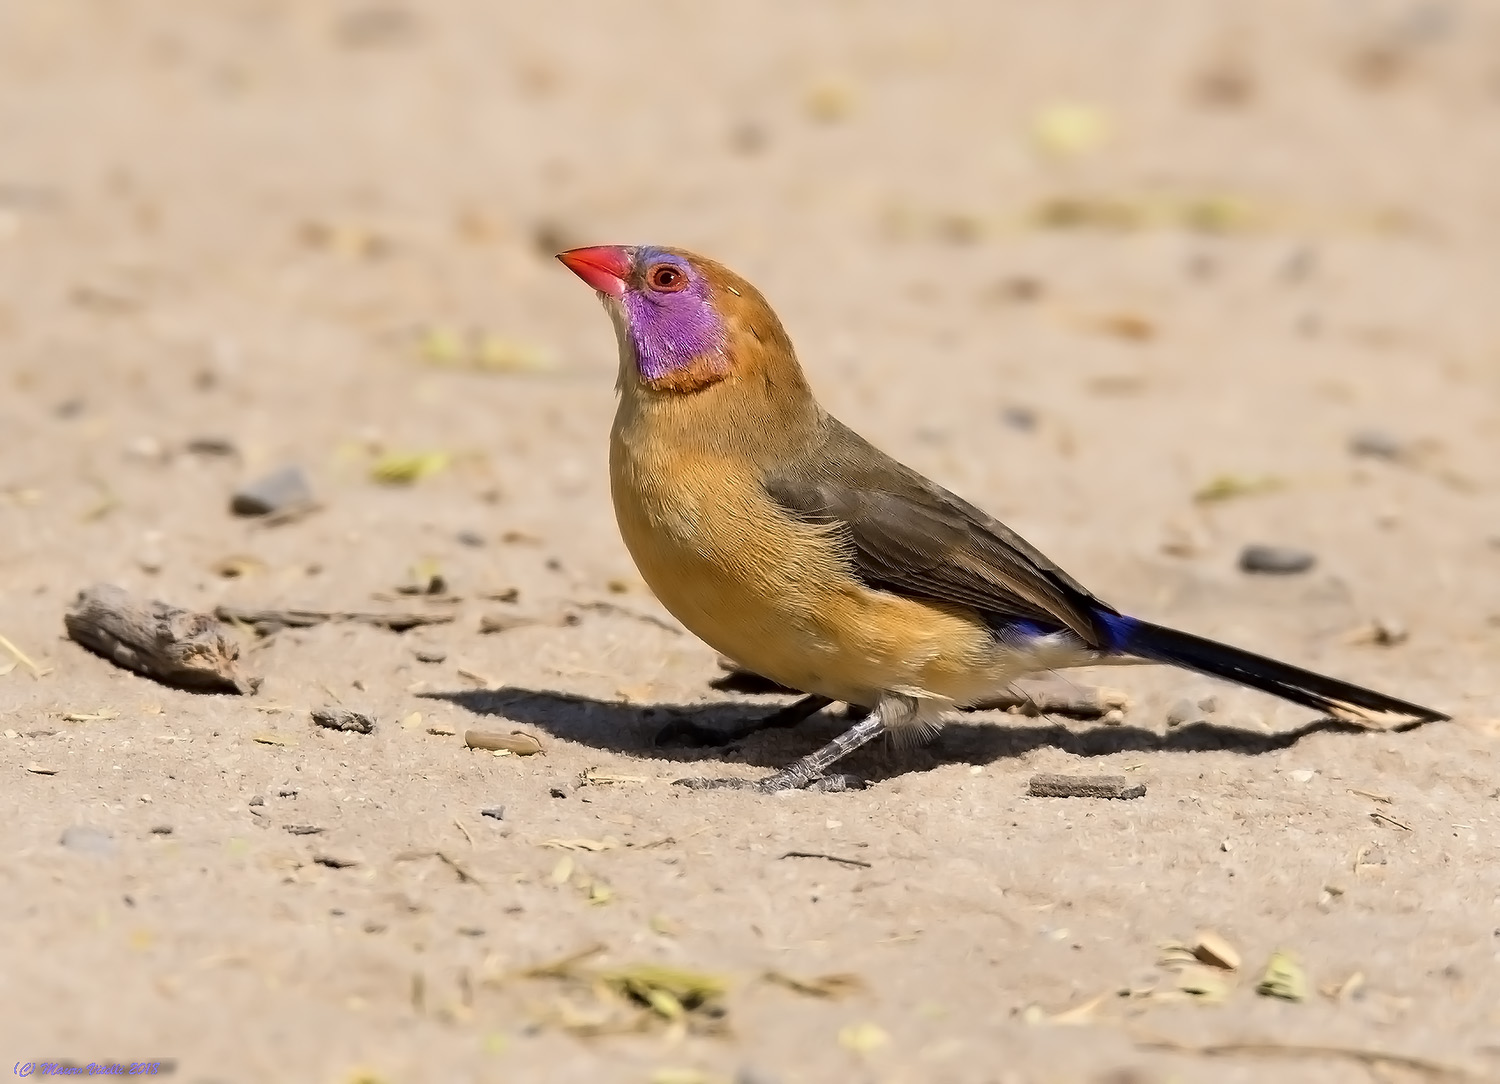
(912, 537)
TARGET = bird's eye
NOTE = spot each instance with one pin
(666, 278)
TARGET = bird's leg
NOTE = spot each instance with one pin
(811, 767)
(808, 772)
(687, 732)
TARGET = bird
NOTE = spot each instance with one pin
(787, 542)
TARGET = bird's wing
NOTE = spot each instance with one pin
(911, 537)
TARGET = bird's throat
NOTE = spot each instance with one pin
(701, 372)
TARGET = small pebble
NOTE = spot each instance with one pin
(1302, 775)
(1376, 444)
(430, 654)
(147, 450)
(1113, 717)
(747, 137)
(1208, 704)
(88, 840)
(491, 623)
(342, 719)
(211, 446)
(1183, 711)
(257, 800)
(558, 792)
(286, 792)
(279, 491)
(303, 829)
(1388, 632)
(1276, 560)
(494, 812)
(333, 861)
(1019, 417)
(470, 538)
(161, 829)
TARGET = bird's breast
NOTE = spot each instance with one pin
(776, 594)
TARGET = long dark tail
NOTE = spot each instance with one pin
(1338, 698)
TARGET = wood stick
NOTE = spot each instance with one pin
(1084, 786)
(266, 621)
(173, 646)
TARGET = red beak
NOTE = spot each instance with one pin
(604, 267)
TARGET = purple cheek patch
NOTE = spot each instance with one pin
(671, 330)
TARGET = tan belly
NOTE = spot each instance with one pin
(775, 596)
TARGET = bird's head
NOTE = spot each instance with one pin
(683, 321)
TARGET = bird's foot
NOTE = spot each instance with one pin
(837, 783)
(811, 772)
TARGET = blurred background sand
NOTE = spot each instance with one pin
(1151, 282)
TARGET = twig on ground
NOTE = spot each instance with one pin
(1047, 785)
(267, 621)
(828, 858)
(173, 646)
(1268, 1048)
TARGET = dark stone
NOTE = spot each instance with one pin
(1276, 560)
(343, 719)
(279, 491)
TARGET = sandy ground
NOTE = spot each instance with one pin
(1262, 228)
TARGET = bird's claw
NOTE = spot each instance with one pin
(837, 783)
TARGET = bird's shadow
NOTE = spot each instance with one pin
(631, 729)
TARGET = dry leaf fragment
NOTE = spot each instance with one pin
(498, 354)
(21, 657)
(832, 100)
(1213, 950)
(88, 717)
(1082, 1013)
(38, 769)
(1126, 325)
(405, 468)
(596, 777)
(269, 739)
(1070, 129)
(482, 351)
(683, 1076)
(1225, 487)
(1283, 978)
(863, 1038)
(1343, 991)
(518, 742)
(668, 991)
